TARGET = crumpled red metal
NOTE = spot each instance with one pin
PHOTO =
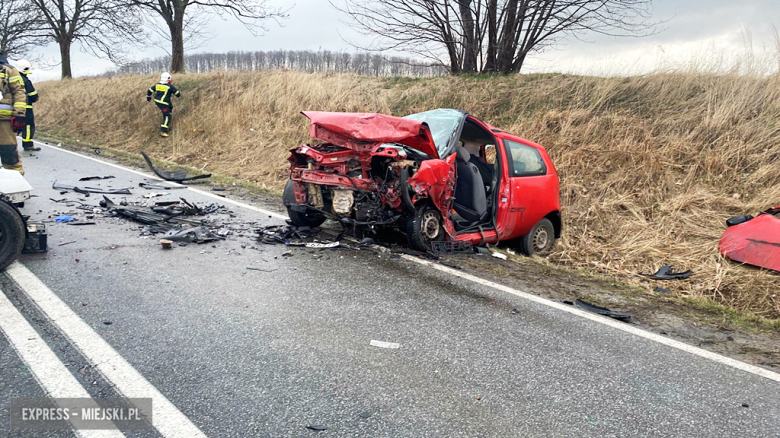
(371, 128)
(755, 242)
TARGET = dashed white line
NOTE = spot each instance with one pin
(44, 365)
(168, 419)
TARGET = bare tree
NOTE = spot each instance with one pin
(183, 18)
(471, 36)
(102, 26)
(18, 25)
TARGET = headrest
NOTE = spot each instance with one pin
(463, 154)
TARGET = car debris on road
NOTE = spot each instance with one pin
(588, 307)
(175, 176)
(87, 190)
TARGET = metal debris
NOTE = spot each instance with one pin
(150, 186)
(85, 190)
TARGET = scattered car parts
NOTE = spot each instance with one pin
(84, 190)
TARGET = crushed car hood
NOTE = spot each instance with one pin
(755, 242)
(346, 128)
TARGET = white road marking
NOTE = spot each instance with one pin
(44, 365)
(154, 177)
(543, 301)
(168, 420)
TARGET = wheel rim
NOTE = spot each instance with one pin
(430, 225)
(541, 239)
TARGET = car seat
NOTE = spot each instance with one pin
(470, 203)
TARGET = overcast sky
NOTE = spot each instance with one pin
(696, 29)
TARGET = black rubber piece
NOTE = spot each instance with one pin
(12, 234)
(736, 220)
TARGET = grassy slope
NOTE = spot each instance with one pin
(650, 166)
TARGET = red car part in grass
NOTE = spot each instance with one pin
(754, 241)
(413, 173)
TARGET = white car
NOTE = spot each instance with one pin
(14, 232)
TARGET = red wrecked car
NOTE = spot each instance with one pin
(437, 175)
(754, 241)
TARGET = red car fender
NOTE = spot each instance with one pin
(435, 180)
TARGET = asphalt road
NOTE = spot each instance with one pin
(267, 352)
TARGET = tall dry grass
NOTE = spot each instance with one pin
(651, 166)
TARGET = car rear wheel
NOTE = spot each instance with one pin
(12, 235)
(540, 240)
(300, 219)
(424, 227)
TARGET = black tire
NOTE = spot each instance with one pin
(540, 240)
(424, 227)
(308, 219)
(12, 235)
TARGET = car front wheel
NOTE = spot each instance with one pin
(308, 219)
(424, 228)
(12, 235)
(540, 240)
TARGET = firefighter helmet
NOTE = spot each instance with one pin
(24, 66)
(165, 78)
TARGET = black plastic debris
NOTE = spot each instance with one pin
(588, 307)
(93, 178)
(87, 190)
(444, 247)
(317, 427)
(191, 235)
(366, 414)
(286, 234)
(736, 220)
(666, 273)
(662, 290)
(175, 176)
(150, 186)
(218, 189)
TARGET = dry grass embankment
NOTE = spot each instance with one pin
(651, 166)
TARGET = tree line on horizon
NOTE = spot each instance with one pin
(461, 36)
(323, 61)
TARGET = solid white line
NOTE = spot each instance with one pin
(44, 365)
(543, 301)
(604, 320)
(168, 420)
(154, 177)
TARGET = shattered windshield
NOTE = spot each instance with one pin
(444, 124)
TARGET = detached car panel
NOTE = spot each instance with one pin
(754, 241)
(414, 174)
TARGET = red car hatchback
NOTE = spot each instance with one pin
(436, 175)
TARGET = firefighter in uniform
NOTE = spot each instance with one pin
(162, 94)
(13, 103)
(25, 68)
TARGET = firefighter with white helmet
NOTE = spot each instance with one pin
(162, 94)
(27, 134)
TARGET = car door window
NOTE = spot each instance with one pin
(524, 160)
(490, 154)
